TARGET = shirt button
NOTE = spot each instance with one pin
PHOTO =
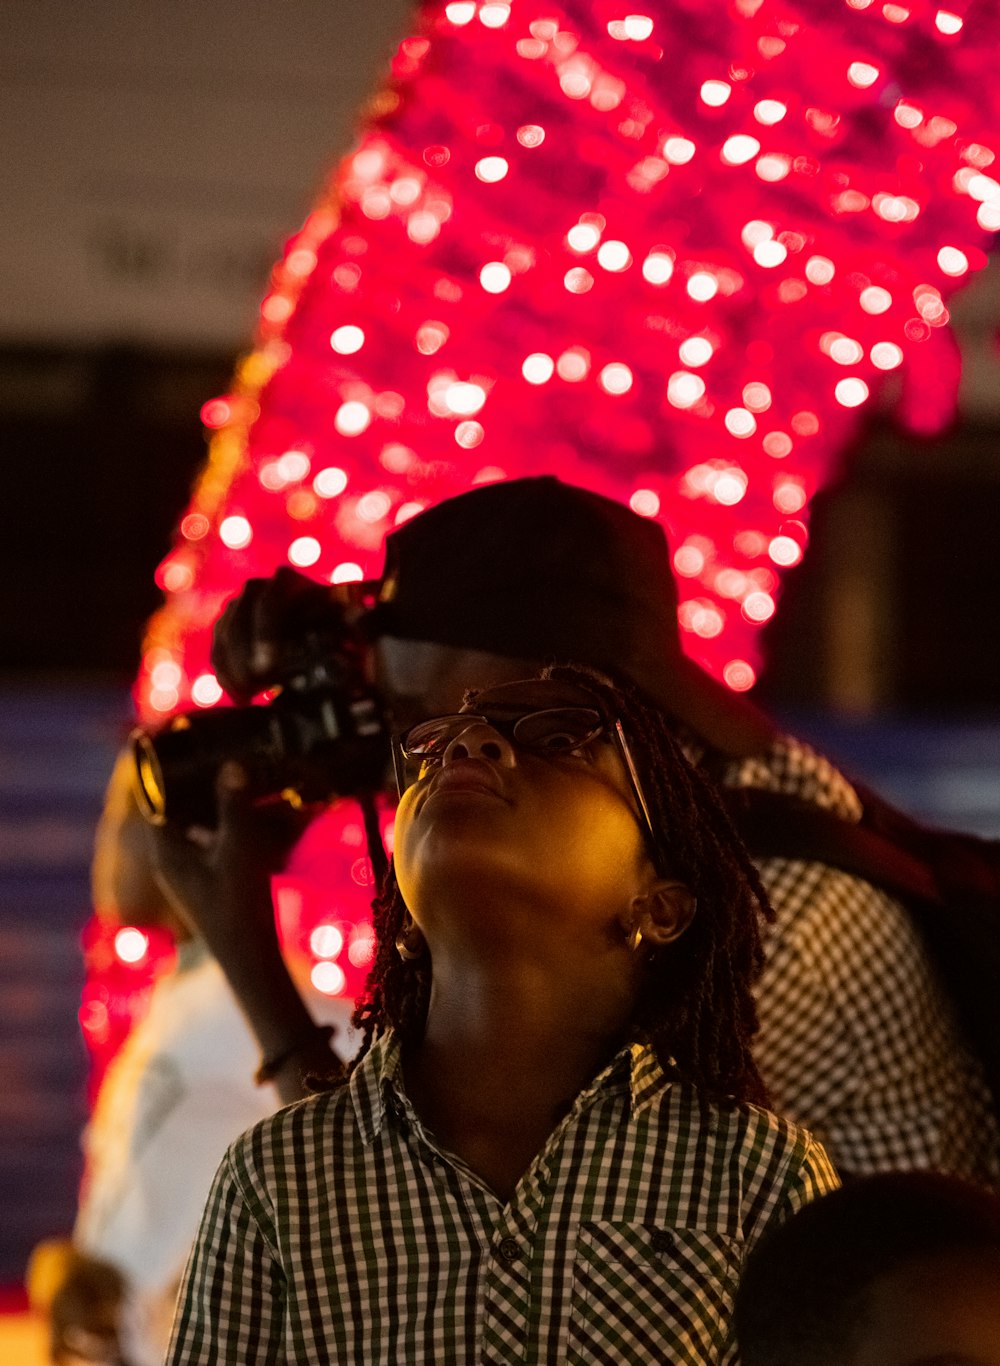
(662, 1241)
(509, 1250)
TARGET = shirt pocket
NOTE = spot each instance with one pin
(647, 1293)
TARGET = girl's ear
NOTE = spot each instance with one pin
(662, 913)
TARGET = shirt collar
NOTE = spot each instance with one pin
(377, 1087)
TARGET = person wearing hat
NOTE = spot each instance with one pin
(857, 1041)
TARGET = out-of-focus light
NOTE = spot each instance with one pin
(235, 532)
(304, 551)
(756, 396)
(538, 368)
(164, 699)
(494, 14)
(495, 277)
(758, 607)
(361, 949)
(773, 167)
(492, 169)
(850, 393)
(405, 511)
(578, 280)
(348, 572)
(862, 75)
(689, 560)
(785, 551)
(293, 465)
(330, 482)
(166, 674)
(789, 494)
(469, 435)
(464, 399)
(988, 216)
(326, 941)
(347, 339)
(948, 23)
(195, 526)
(777, 445)
(328, 978)
(657, 268)
(702, 286)
(431, 336)
(405, 191)
(131, 945)
(740, 423)
(614, 256)
(952, 261)
(730, 487)
(645, 502)
(819, 270)
(886, 355)
(638, 27)
(678, 151)
(206, 690)
(739, 149)
(908, 115)
(739, 675)
(715, 93)
(216, 412)
(573, 365)
(755, 232)
(684, 390)
(352, 418)
(895, 14)
(770, 254)
(846, 351)
(696, 351)
(531, 135)
(372, 507)
(769, 112)
(422, 227)
(615, 378)
(583, 237)
(874, 299)
(460, 12)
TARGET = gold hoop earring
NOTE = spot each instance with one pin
(410, 944)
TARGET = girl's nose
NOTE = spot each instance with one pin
(480, 741)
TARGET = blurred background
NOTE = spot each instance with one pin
(156, 157)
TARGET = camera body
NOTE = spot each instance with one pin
(323, 735)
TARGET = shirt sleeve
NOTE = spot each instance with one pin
(232, 1304)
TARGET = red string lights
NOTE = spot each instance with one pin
(669, 251)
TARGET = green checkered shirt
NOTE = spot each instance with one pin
(338, 1231)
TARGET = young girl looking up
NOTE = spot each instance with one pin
(550, 1148)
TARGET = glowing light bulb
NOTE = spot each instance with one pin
(770, 254)
(755, 232)
(730, 487)
(819, 270)
(531, 135)
(469, 435)
(715, 93)
(492, 169)
(702, 286)
(862, 75)
(684, 390)
(769, 112)
(326, 941)
(328, 978)
(785, 551)
(614, 256)
(907, 115)
(578, 280)
(657, 268)
(758, 607)
(851, 393)
(689, 561)
(352, 418)
(615, 378)
(756, 397)
(347, 340)
(304, 551)
(330, 482)
(495, 277)
(638, 27)
(696, 351)
(206, 690)
(952, 261)
(846, 351)
(494, 14)
(235, 532)
(131, 945)
(460, 12)
(538, 368)
(886, 355)
(678, 151)
(739, 149)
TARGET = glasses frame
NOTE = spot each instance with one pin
(613, 729)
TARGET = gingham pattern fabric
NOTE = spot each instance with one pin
(338, 1231)
(858, 1043)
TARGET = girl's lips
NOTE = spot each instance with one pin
(469, 775)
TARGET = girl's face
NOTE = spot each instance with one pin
(526, 835)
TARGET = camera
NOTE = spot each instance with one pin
(323, 735)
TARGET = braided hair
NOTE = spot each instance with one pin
(695, 1005)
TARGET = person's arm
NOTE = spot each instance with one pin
(232, 1301)
(220, 882)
